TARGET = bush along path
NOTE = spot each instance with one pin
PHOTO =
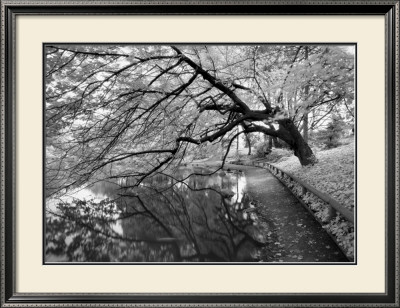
(294, 236)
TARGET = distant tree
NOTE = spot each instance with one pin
(251, 140)
(334, 130)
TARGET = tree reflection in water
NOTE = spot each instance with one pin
(199, 219)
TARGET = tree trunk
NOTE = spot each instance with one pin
(304, 152)
(305, 117)
(291, 135)
(237, 145)
(273, 140)
(276, 142)
(248, 143)
(305, 126)
(270, 139)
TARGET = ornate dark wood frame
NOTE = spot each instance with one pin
(10, 9)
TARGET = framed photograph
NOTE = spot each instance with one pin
(199, 153)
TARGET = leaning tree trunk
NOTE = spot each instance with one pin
(291, 135)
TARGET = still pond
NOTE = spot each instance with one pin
(179, 218)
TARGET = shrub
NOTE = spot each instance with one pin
(262, 150)
(278, 154)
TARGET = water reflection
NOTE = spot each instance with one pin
(172, 218)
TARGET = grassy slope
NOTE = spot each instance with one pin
(333, 174)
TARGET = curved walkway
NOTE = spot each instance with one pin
(292, 232)
(295, 236)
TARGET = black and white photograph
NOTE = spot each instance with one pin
(199, 153)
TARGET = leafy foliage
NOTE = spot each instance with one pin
(262, 150)
(333, 174)
(132, 110)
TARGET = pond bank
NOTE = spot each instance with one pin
(293, 234)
